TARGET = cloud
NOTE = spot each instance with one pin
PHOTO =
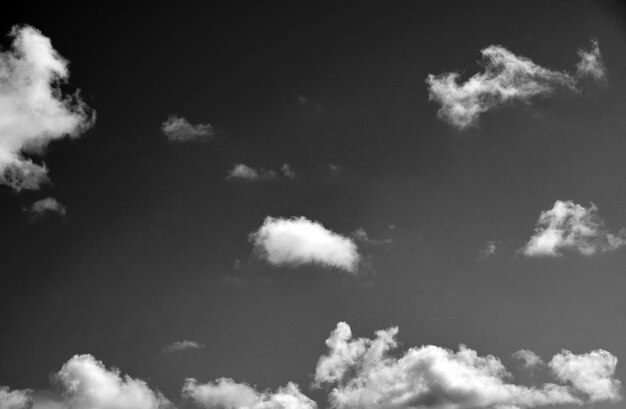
(361, 372)
(17, 399)
(245, 172)
(361, 236)
(34, 110)
(591, 63)
(181, 346)
(288, 171)
(368, 373)
(590, 373)
(529, 359)
(571, 227)
(491, 249)
(507, 78)
(178, 129)
(299, 241)
(85, 383)
(49, 205)
(228, 394)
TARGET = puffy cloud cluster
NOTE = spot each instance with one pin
(245, 172)
(571, 227)
(181, 346)
(34, 111)
(363, 373)
(225, 393)
(178, 129)
(299, 241)
(507, 78)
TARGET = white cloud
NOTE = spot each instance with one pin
(87, 384)
(491, 249)
(182, 346)
(591, 63)
(529, 359)
(178, 129)
(298, 241)
(228, 394)
(49, 205)
(34, 111)
(288, 171)
(365, 373)
(590, 373)
(245, 172)
(571, 227)
(507, 78)
(16, 399)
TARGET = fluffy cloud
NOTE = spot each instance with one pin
(507, 78)
(49, 205)
(34, 111)
(85, 383)
(181, 346)
(591, 373)
(298, 241)
(18, 399)
(529, 359)
(571, 227)
(363, 373)
(178, 129)
(228, 394)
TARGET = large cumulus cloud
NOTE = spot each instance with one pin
(33, 110)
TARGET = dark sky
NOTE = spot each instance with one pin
(145, 255)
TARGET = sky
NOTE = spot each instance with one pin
(256, 205)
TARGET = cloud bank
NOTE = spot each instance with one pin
(299, 241)
(34, 111)
(360, 372)
(368, 373)
(573, 228)
(178, 129)
(507, 78)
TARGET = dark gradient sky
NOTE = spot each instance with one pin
(152, 230)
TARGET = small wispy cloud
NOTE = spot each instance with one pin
(244, 172)
(178, 129)
(572, 227)
(47, 206)
(491, 249)
(507, 78)
(181, 346)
